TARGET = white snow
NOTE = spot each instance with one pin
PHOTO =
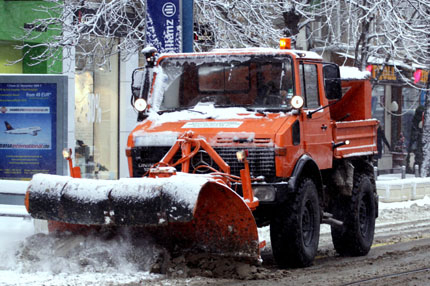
(48, 184)
(43, 260)
(347, 72)
(13, 210)
(84, 189)
(262, 50)
(251, 50)
(212, 124)
(201, 111)
(28, 259)
(403, 205)
(13, 186)
(357, 154)
(183, 187)
(165, 138)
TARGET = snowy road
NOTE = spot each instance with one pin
(402, 243)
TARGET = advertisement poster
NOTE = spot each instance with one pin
(163, 29)
(28, 119)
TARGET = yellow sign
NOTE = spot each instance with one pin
(424, 76)
(388, 73)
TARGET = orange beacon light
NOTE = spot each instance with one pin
(285, 43)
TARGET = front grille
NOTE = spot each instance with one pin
(261, 160)
(144, 157)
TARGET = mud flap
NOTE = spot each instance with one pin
(189, 211)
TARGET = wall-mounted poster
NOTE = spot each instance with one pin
(29, 122)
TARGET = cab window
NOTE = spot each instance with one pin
(309, 84)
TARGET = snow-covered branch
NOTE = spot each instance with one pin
(364, 28)
(96, 29)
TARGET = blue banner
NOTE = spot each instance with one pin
(163, 25)
(28, 134)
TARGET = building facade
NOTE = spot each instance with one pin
(100, 116)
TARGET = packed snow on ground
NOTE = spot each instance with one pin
(31, 257)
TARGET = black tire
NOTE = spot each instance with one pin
(295, 229)
(358, 214)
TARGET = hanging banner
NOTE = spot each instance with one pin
(28, 116)
(163, 29)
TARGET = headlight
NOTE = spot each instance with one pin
(67, 153)
(241, 155)
(140, 104)
(265, 193)
(297, 102)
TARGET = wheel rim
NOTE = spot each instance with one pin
(363, 217)
(307, 224)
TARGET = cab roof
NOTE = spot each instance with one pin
(249, 51)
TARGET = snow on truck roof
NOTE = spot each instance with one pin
(353, 73)
(247, 51)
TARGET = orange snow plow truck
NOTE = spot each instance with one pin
(228, 141)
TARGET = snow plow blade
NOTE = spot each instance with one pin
(185, 210)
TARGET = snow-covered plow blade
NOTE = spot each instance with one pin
(192, 211)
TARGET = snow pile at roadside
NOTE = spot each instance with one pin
(404, 211)
(402, 205)
(13, 186)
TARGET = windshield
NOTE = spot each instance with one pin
(263, 82)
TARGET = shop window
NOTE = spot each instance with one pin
(411, 98)
(411, 101)
(378, 101)
(96, 122)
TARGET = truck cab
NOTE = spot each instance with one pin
(250, 88)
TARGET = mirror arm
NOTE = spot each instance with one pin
(309, 114)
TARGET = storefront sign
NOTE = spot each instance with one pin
(28, 141)
(422, 76)
(164, 25)
(388, 73)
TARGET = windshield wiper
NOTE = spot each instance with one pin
(227, 105)
(180, 109)
(261, 110)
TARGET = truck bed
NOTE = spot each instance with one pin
(361, 135)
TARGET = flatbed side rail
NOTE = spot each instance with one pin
(361, 135)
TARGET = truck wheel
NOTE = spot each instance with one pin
(295, 229)
(358, 214)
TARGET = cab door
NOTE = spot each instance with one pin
(317, 133)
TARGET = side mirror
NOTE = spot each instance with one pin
(332, 82)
